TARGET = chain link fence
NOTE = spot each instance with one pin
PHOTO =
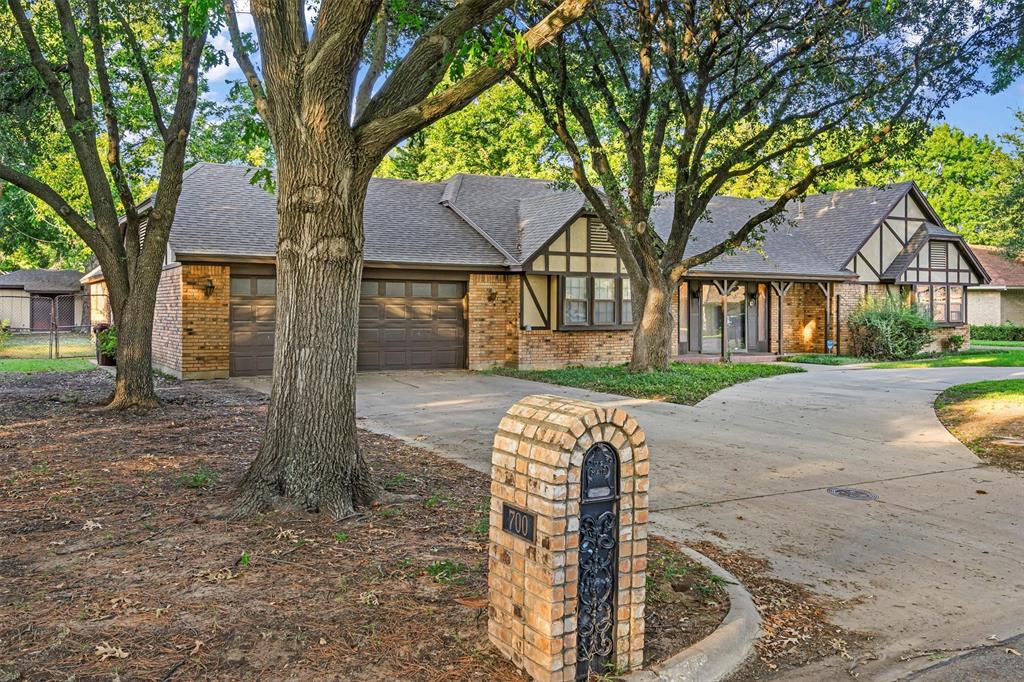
(42, 326)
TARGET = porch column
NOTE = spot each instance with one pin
(724, 289)
(781, 289)
(826, 290)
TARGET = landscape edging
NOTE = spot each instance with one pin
(722, 652)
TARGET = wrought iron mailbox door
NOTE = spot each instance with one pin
(598, 560)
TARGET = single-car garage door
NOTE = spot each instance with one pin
(408, 324)
(253, 307)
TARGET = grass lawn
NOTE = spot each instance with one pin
(968, 358)
(38, 346)
(683, 383)
(28, 366)
(987, 417)
(1007, 344)
(822, 359)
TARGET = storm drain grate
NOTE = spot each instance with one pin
(853, 494)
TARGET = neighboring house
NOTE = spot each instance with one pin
(29, 299)
(1002, 299)
(482, 271)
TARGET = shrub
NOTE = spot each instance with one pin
(954, 343)
(106, 339)
(5, 332)
(997, 332)
(888, 329)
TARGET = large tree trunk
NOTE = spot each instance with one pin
(133, 386)
(652, 335)
(310, 452)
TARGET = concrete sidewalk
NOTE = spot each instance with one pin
(937, 562)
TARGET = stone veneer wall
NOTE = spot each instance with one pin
(167, 322)
(206, 336)
(536, 461)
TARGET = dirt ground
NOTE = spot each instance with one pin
(988, 418)
(115, 565)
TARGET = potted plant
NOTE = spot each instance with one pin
(106, 344)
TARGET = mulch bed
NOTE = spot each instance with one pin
(114, 563)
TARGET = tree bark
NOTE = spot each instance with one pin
(133, 386)
(310, 453)
(652, 334)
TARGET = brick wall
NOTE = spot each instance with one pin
(536, 465)
(941, 335)
(496, 340)
(1012, 307)
(984, 307)
(167, 322)
(492, 317)
(205, 339)
(803, 322)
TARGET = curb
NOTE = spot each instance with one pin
(723, 651)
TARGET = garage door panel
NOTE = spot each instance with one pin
(395, 311)
(448, 312)
(398, 337)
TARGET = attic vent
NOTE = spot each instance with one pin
(600, 242)
(143, 226)
(937, 256)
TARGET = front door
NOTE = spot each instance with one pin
(757, 317)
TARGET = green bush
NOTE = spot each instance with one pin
(5, 332)
(888, 329)
(106, 339)
(954, 343)
(997, 332)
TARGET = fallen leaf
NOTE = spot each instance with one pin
(105, 651)
(91, 525)
(1012, 651)
(981, 492)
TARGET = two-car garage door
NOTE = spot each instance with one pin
(403, 324)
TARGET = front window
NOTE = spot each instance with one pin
(576, 300)
(604, 300)
(956, 304)
(942, 303)
(627, 302)
(939, 304)
(923, 296)
(596, 301)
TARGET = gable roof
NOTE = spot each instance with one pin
(39, 281)
(502, 222)
(1003, 270)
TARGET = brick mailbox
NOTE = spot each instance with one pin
(568, 538)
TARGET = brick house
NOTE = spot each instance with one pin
(482, 271)
(1001, 300)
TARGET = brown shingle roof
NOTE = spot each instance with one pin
(1004, 271)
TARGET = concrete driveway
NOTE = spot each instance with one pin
(937, 560)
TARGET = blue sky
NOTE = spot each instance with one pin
(986, 114)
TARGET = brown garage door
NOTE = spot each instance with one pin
(252, 325)
(408, 324)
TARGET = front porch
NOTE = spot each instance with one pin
(756, 320)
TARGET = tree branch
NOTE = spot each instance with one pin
(244, 62)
